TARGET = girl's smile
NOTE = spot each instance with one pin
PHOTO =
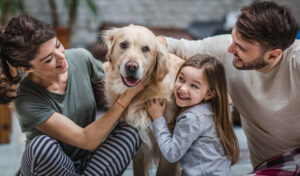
(190, 87)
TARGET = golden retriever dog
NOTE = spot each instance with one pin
(134, 52)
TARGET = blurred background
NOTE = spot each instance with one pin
(79, 24)
(83, 19)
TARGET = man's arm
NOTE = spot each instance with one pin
(215, 46)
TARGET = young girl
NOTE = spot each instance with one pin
(203, 140)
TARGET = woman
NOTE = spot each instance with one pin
(56, 107)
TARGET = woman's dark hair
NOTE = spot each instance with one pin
(19, 42)
(214, 73)
(267, 23)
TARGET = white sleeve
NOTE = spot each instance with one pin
(215, 46)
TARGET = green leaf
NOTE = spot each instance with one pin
(92, 6)
(1, 5)
(66, 3)
(76, 4)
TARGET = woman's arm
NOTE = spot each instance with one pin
(63, 129)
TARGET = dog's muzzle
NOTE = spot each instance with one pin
(131, 69)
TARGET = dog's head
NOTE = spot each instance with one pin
(134, 52)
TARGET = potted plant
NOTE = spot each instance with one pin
(64, 32)
(9, 8)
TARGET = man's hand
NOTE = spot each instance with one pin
(156, 108)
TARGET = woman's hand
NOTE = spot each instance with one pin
(156, 108)
(129, 94)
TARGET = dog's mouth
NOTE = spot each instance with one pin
(130, 81)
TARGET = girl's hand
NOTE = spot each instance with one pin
(156, 108)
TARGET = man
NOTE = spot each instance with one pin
(262, 62)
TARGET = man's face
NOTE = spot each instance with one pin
(247, 56)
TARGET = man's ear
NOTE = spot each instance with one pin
(210, 94)
(273, 55)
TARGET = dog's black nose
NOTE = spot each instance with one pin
(131, 67)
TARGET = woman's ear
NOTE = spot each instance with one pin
(210, 94)
(24, 69)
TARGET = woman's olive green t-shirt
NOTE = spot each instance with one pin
(34, 104)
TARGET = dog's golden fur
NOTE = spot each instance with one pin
(134, 53)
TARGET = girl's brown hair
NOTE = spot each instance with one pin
(214, 73)
(19, 42)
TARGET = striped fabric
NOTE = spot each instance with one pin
(43, 156)
(286, 164)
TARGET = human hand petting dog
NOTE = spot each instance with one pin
(156, 107)
(129, 94)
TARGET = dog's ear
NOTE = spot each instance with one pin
(108, 37)
(161, 62)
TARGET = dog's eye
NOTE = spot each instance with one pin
(124, 45)
(145, 49)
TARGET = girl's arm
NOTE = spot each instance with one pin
(63, 129)
(186, 131)
(173, 147)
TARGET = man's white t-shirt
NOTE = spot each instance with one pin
(269, 103)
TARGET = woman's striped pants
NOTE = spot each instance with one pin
(43, 156)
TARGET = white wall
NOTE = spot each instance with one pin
(160, 13)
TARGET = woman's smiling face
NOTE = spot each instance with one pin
(50, 58)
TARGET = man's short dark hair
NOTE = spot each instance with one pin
(271, 25)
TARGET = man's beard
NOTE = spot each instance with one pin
(258, 63)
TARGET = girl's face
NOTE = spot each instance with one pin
(50, 59)
(191, 87)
